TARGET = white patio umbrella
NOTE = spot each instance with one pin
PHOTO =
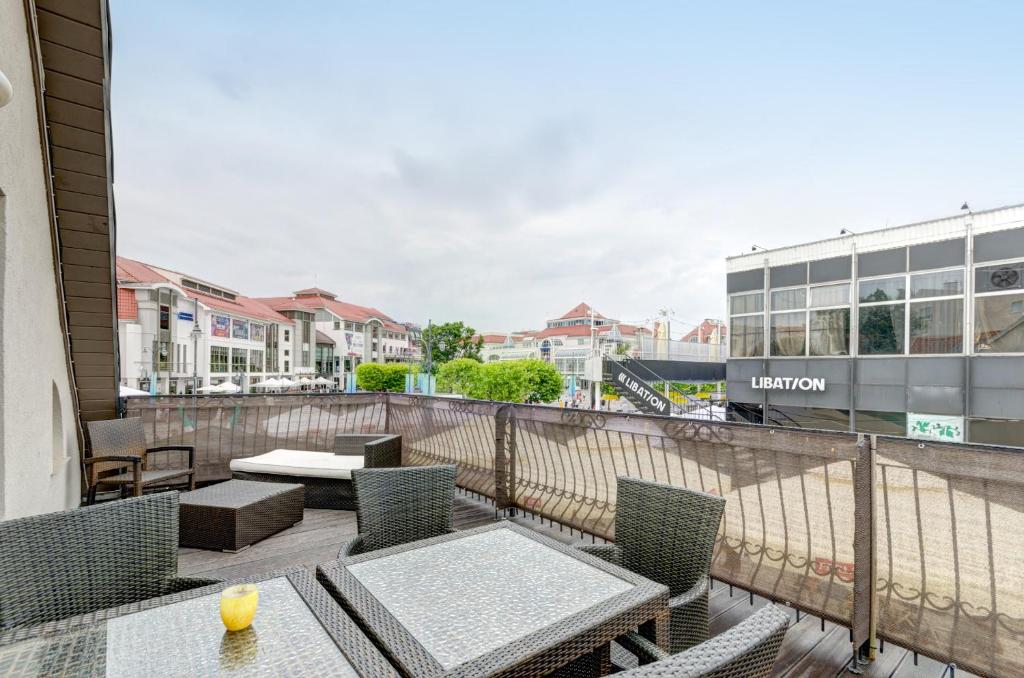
(126, 391)
(305, 380)
(228, 387)
(286, 382)
(268, 383)
(209, 389)
(323, 381)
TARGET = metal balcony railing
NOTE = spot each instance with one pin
(915, 542)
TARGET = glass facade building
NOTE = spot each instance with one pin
(917, 330)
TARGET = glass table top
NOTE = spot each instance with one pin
(458, 600)
(187, 638)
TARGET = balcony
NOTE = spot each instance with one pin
(918, 545)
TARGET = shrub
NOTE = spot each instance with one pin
(459, 376)
(383, 377)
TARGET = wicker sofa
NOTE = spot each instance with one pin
(327, 476)
(56, 565)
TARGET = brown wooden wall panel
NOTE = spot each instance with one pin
(74, 115)
(80, 305)
(77, 161)
(81, 183)
(85, 333)
(86, 274)
(94, 371)
(99, 414)
(61, 30)
(79, 257)
(91, 320)
(98, 243)
(88, 223)
(93, 383)
(72, 62)
(76, 90)
(81, 202)
(95, 359)
(95, 394)
(77, 139)
(83, 11)
(89, 346)
(85, 289)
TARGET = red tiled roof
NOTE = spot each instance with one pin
(127, 304)
(131, 271)
(584, 331)
(706, 329)
(493, 338)
(315, 292)
(342, 309)
(581, 310)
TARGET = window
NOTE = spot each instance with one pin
(941, 284)
(287, 367)
(218, 358)
(937, 326)
(829, 332)
(999, 308)
(881, 329)
(287, 352)
(287, 336)
(830, 295)
(337, 324)
(885, 289)
(746, 325)
(789, 300)
(255, 361)
(788, 334)
(238, 360)
(747, 336)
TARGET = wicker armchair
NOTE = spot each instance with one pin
(666, 534)
(398, 505)
(747, 650)
(378, 450)
(57, 565)
(121, 460)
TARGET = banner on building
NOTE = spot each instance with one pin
(220, 326)
(258, 332)
(941, 427)
(239, 329)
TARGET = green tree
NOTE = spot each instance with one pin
(386, 377)
(504, 380)
(543, 381)
(450, 341)
(459, 376)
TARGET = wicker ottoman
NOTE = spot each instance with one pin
(233, 515)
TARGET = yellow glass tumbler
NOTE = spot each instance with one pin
(238, 606)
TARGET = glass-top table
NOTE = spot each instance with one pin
(490, 599)
(298, 630)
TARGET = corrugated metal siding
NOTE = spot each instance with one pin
(74, 45)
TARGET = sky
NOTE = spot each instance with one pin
(498, 163)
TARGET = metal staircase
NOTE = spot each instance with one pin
(631, 379)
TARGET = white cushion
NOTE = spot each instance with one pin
(300, 463)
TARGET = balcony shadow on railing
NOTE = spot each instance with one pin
(922, 541)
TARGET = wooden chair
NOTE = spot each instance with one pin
(121, 460)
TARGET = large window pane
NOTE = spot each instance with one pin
(882, 423)
(997, 431)
(886, 289)
(881, 329)
(999, 277)
(999, 324)
(747, 303)
(830, 295)
(788, 300)
(218, 358)
(788, 334)
(746, 337)
(238, 360)
(942, 284)
(937, 326)
(830, 332)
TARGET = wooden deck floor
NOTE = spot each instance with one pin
(812, 648)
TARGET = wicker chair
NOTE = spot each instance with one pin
(57, 565)
(666, 534)
(398, 505)
(121, 460)
(747, 650)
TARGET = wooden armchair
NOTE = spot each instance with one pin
(121, 460)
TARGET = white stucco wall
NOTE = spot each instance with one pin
(39, 468)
